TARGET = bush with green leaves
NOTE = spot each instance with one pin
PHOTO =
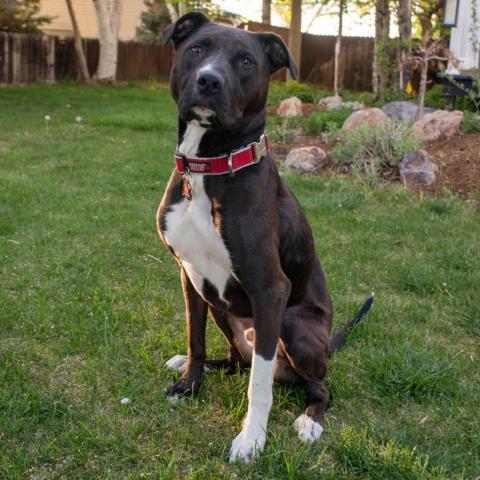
(470, 122)
(284, 129)
(367, 98)
(434, 98)
(324, 120)
(371, 150)
(306, 93)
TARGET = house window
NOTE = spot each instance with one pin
(451, 13)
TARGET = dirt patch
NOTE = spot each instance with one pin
(458, 160)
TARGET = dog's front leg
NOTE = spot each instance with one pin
(196, 313)
(268, 310)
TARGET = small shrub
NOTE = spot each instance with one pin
(465, 104)
(306, 93)
(326, 119)
(332, 131)
(285, 129)
(470, 122)
(367, 98)
(369, 150)
(392, 96)
(435, 98)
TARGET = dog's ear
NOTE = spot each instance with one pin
(178, 31)
(277, 53)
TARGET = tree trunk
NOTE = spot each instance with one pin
(108, 17)
(382, 34)
(422, 89)
(172, 11)
(338, 46)
(82, 61)
(182, 8)
(295, 37)
(405, 31)
(267, 12)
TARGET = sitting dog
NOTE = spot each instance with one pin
(244, 247)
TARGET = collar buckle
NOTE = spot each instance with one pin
(186, 166)
(260, 149)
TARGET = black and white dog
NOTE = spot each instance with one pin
(245, 250)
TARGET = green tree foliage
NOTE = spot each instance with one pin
(428, 16)
(156, 17)
(21, 16)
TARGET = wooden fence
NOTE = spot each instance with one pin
(27, 58)
(317, 62)
(38, 58)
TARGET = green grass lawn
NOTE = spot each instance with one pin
(91, 308)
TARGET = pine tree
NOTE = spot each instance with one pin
(157, 17)
(21, 16)
(154, 20)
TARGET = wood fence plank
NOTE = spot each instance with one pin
(36, 58)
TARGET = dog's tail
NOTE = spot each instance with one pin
(338, 339)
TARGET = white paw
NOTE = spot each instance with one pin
(308, 429)
(178, 363)
(246, 445)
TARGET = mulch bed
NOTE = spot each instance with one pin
(458, 160)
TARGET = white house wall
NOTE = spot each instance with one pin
(460, 43)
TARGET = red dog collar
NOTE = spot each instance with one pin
(226, 163)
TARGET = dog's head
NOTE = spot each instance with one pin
(221, 73)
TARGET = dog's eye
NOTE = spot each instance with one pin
(196, 50)
(246, 62)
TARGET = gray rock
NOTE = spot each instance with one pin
(353, 105)
(306, 159)
(371, 117)
(404, 111)
(417, 169)
(438, 125)
(290, 107)
(330, 102)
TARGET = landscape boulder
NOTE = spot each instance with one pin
(417, 169)
(370, 117)
(352, 105)
(403, 111)
(438, 125)
(290, 107)
(330, 103)
(306, 159)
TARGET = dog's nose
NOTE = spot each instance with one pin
(209, 82)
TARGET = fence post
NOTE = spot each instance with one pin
(16, 58)
(4, 58)
(50, 60)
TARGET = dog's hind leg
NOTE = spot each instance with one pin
(235, 360)
(309, 424)
(239, 347)
(305, 337)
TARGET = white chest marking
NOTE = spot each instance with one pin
(190, 231)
